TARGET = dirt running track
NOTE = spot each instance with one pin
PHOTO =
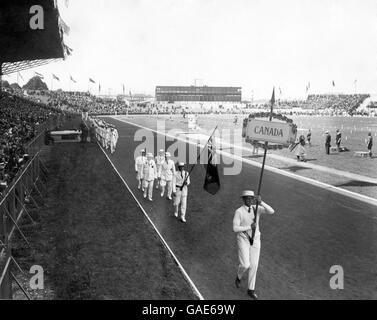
(312, 230)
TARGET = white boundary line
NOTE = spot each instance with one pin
(313, 182)
(194, 288)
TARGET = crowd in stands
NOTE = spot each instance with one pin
(20, 120)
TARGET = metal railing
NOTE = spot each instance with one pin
(12, 210)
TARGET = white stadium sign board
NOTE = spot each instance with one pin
(267, 131)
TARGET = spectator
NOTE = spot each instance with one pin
(328, 142)
(370, 144)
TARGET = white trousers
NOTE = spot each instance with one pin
(249, 259)
(169, 185)
(112, 147)
(148, 189)
(180, 199)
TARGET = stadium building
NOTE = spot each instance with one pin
(220, 94)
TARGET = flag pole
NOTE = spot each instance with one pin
(263, 164)
(193, 167)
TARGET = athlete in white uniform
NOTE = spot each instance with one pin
(150, 174)
(160, 159)
(167, 174)
(180, 188)
(139, 165)
(246, 225)
(112, 140)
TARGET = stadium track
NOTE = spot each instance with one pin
(313, 230)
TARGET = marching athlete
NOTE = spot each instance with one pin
(139, 165)
(167, 174)
(150, 174)
(160, 159)
(180, 189)
(246, 225)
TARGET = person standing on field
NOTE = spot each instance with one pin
(246, 226)
(328, 142)
(370, 144)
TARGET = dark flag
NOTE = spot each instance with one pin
(333, 83)
(212, 180)
(91, 80)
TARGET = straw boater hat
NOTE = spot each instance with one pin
(247, 193)
(167, 154)
(162, 151)
(149, 155)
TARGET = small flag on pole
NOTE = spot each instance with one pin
(73, 80)
(333, 83)
(55, 77)
(212, 179)
(91, 80)
(273, 97)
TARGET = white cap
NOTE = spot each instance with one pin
(167, 154)
(248, 193)
(149, 155)
(181, 164)
(162, 151)
(143, 150)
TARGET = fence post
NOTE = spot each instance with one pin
(6, 285)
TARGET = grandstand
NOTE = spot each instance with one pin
(193, 93)
(23, 47)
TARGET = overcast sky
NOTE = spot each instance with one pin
(254, 44)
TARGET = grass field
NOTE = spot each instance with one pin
(92, 239)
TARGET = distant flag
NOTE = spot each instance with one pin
(38, 75)
(273, 97)
(99, 88)
(333, 83)
(55, 77)
(73, 80)
(91, 80)
(212, 179)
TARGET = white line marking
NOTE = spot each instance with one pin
(313, 182)
(194, 288)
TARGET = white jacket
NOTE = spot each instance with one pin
(139, 164)
(150, 170)
(168, 170)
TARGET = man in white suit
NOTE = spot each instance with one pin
(246, 225)
(160, 159)
(180, 188)
(150, 174)
(139, 165)
(167, 174)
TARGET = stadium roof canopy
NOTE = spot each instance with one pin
(21, 47)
